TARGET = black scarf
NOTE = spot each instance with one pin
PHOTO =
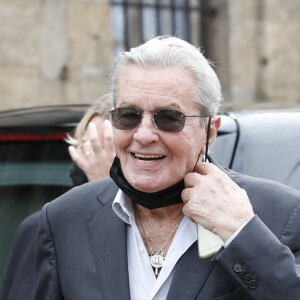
(165, 197)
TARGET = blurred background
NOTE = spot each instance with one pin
(56, 52)
(60, 51)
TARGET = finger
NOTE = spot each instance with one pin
(87, 149)
(93, 137)
(186, 211)
(205, 168)
(191, 179)
(87, 134)
(108, 130)
(108, 137)
(185, 195)
(75, 155)
(72, 152)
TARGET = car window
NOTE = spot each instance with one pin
(269, 146)
(32, 173)
(262, 144)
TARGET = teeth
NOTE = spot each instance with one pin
(145, 161)
(148, 156)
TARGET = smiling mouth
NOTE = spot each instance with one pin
(147, 158)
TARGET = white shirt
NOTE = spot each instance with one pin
(142, 281)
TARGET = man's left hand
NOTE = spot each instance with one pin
(214, 201)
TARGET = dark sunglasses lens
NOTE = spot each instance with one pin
(125, 118)
(169, 120)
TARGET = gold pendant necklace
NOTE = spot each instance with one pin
(157, 258)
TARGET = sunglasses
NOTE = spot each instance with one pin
(126, 118)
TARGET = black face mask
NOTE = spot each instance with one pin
(166, 197)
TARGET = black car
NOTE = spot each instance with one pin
(35, 164)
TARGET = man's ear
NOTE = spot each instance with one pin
(214, 127)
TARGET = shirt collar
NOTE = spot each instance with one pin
(123, 208)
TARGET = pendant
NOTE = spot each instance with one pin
(157, 259)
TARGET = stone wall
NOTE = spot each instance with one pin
(281, 51)
(60, 51)
(256, 47)
(53, 51)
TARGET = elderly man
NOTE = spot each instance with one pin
(136, 236)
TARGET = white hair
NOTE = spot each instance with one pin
(169, 51)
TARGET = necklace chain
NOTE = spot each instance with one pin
(150, 238)
(158, 257)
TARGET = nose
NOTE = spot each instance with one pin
(146, 132)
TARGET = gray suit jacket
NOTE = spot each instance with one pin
(81, 249)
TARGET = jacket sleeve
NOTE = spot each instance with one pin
(260, 263)
(46, 281)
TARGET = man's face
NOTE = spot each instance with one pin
(152, 159)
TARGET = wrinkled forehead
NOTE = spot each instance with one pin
(156, 86)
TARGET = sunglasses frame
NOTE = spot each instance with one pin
(154, 111)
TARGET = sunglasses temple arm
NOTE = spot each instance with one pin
(207, 138)
(206, 146)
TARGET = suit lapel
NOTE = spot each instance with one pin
(108, 239)
(191, 273)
